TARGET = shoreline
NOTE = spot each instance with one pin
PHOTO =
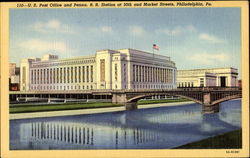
(232, 139)
(89, 111)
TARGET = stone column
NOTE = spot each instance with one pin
(131, 105)
(208, 107)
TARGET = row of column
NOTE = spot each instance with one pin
(152, 74)
(185, 84)
(73, 74)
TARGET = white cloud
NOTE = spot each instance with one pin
(101, 29)
(136, 30)
(51, 25)
(37, 45)
(209, 58)
(106, 29)
(210, 38)
(177, 30)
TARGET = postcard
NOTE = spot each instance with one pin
(124, 79)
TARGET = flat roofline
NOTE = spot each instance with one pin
(145, 52)
(64, 59)
(113, 50)
(208, 69)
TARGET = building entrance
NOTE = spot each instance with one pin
(223, 81)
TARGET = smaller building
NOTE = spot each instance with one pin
(240, 83)
(12, 68)
(220, 77)
(14, 77)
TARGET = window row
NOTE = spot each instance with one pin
(185, 84)
(153, 86)
(74, 74)
(75, 87)
(152, 74)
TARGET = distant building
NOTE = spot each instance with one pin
(14, 77)
(222, 77)
(12, 69)
(107, 69)
(240, 83)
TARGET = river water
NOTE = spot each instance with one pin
(155, 128)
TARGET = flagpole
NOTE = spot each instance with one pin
(153, 54)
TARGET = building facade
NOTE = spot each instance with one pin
(221, 77)
(107, 69)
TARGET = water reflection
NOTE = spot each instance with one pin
(156, 128)
(57, 131)
(82, 134)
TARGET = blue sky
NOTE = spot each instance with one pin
(192, 37)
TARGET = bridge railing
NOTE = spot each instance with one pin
(126, 90)
(208, 88)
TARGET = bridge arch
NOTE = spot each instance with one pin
(137, 98)
(226, 99)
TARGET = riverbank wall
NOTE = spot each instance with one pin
(89, 111)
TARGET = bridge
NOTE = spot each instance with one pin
(208, 97)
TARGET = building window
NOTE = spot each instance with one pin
(54, 76)
(201, 82)
(32, 75)
(72, 74)
(91, 74)
(50, 76)
(41, 76)
(139, 73)
(60, 75)
(57, 75)
(124, 73)
(116, 72)
(35, 77)
(68, 74)
(133, 73)
(136, 73)
(87, 75)
(102, 69)
(83, 74)
(79, 74)
(64, 75)
(44, 76)
(75, 74)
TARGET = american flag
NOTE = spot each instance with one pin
(156, 47)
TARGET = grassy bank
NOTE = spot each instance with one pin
(58, 107)
(23, 108)
(230, 140)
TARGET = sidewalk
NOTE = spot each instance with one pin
(88, 111)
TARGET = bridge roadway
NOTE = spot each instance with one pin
(209, 98)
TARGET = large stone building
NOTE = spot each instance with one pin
(107, 69)
(221, 77)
